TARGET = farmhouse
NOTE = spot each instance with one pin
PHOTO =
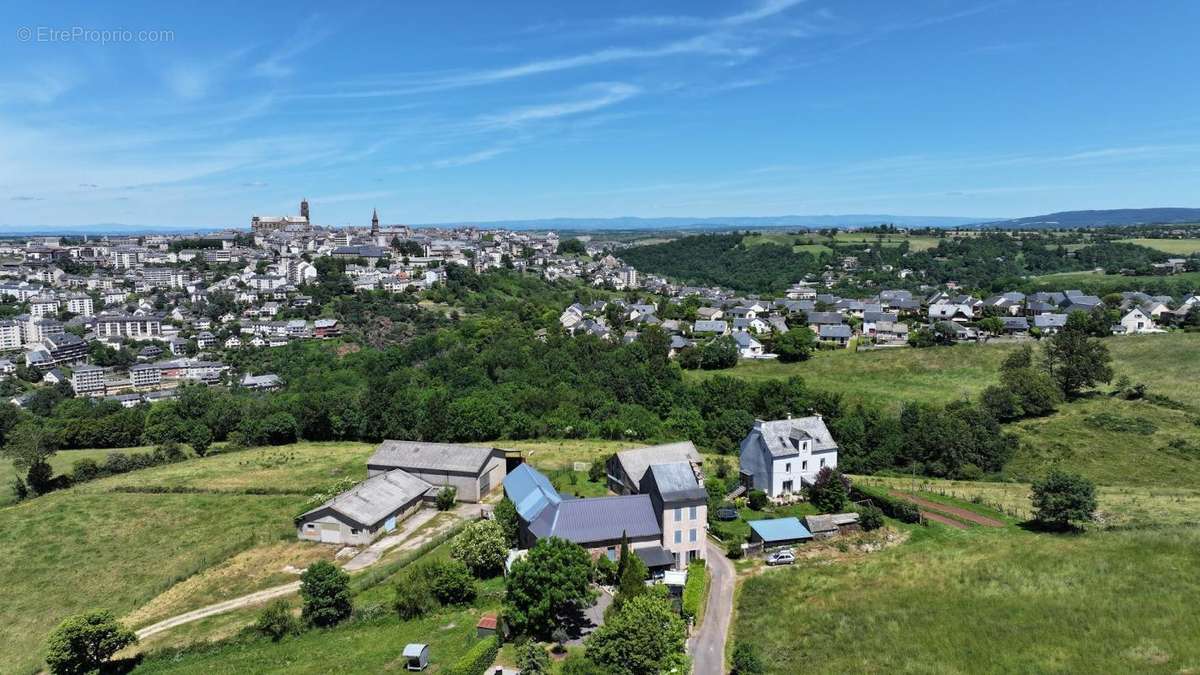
(627, 468)
(597, 524)
(782, 455)
(365, 511)
(681, 506)
(472, 472)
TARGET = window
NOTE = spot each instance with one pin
(354, 530)
(611, 553)
(804, 465)
(310, 526)
(678, 513)
(822, 461)
(678, 536)
(787, 468)
(692, 534)
(691, 513)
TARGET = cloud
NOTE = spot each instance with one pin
(27, 198)
(464, 160)
(88, 185)
(254, 184)
(193, 81)
(611, 94)
(41, 86)
(762, 10)
(308, 35)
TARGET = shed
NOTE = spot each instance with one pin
(826, 526)
(778, 531)
(416, 656)
(486, 626)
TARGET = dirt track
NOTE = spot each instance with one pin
(946, 515)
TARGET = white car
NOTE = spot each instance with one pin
(784, 557)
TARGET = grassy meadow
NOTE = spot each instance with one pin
(72, 551)
(812, 242)
(61, 463)
(985, 600)
(1182, 247)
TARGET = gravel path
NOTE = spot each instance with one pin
(708, 644)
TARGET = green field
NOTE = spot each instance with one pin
(985, 600)
(61, 463)
(819, 242)
(72, 551)
(1165, 363)
(371, 646)
(1183, 247)
(1103, 284)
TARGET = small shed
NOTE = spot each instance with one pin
(777, 532)
(486, 626)
(416, 656)
(824, 527)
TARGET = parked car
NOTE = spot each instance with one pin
(727, 513)
(784, 557)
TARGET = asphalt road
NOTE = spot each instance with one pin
(707, 645)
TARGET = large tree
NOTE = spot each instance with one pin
(547, 586)
(797, 344)
(1061, 499)
(644, 638)
(1074, 360)
(84, 642)
(482, 547)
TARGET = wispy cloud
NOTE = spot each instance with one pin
(762, 10)
(609, 94)
(310, 33)
(39, 86)
(465, 160)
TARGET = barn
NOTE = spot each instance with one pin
(365, 511)
(473, 472)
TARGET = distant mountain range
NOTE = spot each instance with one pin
(1101, 218)
(1050, 220)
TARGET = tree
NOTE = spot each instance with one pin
(572, 247)
(719, 353)
(276, 621)
(84, 642)
(644, 638)
(532, 658)
(746, 660)
(632, 575)
(30, 443)
(991, 324)
(326, 593)
(1061, 498)
(870, 517)
(1074, 360)
(445, 498)
(413, 593)
(546, 586)
(758, 500)
(797, 344)
(452, 583)
(830, 491)
(200, 438)
(483, 547)
(505, 516)
(580, 664)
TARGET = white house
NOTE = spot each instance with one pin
(1136, 321)
(780, 456)
(748, 347)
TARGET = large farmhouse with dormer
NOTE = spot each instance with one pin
(781, 456)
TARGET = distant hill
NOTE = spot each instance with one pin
(103, 228)
(1100, 218)
(635, 223)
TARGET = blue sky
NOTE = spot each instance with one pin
(436, 112)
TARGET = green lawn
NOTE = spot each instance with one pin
(61, 463)
(1182, 247)
(72, 551)
(739, 530)
(985, 600)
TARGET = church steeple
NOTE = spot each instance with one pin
(304, 209)
(374, 221)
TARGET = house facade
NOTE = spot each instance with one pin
(781, 456)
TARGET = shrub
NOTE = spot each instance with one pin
(477, 659)
(870, 517)
(693, 590)
(452, 583)
(414, 593)
(532, 659)
(82, 643)
(604, 570)
(483, 547)
(326, 593)
(829, 490)
(900, 509)
(746, 660)
(445, 498)
(276, 621)
(758, 500)
(733, 550)
(1060, 499)
(85, 469)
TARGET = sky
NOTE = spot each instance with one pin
(203, 114)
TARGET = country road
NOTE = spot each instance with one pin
(367, 557)
(707, 646)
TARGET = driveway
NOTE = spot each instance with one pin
(707, 646)
(369, 556)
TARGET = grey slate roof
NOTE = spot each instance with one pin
(839, 331)
(376, 497)
(417, 455)
(676, 482)
(777, 435)
(822, 318)
(635, 462)
(598, 519)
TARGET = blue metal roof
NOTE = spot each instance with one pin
(529, 491)
(780, 529)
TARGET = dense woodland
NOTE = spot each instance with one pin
(990, 262)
